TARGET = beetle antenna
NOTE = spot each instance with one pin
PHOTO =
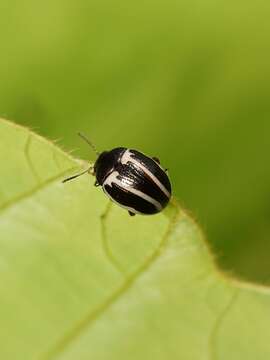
(77, 175)
(89, 143)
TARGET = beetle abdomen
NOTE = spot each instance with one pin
(138, 184)
(139, 180)
(150, 167)
(134, 202)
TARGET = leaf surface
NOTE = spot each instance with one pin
(80, 279)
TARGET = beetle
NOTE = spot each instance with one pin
(130, 179)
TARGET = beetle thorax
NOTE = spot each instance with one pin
(106, 163)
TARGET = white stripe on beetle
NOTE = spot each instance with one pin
(126, 157)
(112, 178)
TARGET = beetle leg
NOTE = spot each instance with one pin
(97, 183)
(156, 159)
(131, 213)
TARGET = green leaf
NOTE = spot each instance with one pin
(80, 279)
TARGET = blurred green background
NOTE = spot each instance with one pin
(187, 81)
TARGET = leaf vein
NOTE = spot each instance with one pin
(218, 324)
(28, 158)
(33, 190)
(105, 245)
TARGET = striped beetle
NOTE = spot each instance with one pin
(130, 179)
